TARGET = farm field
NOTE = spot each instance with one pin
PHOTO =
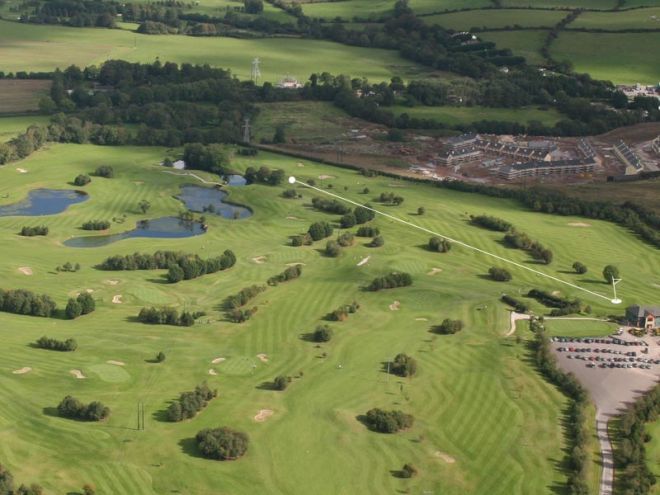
(496, 18)
(627, 19)
(620, 58)
(486, 421)
(463, 115)
(374, 9)
(13, 126)
(564, 4)
(577, 328)
(39, 48)
(524, 43)
(18, 95)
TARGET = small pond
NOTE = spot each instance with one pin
(43, 202)
(209, 200)
(164, 227)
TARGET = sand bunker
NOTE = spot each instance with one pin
(421, 319)
(263, 415)
(434, 271)
(212, 372)
(579, 224)
(25, 270)
(323, 177)
(301, 164)
(21, 170)
(116, 363)
(445, 457)
(218, 360)
(116, 299)
(259, 260)
(395, 306)
(78, 374)
(263, 357)
(364, 261)
(111, 282)
(89, 291)
(22, 371)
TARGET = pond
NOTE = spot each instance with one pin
(209, 200)
(164, 227)
(43, 202)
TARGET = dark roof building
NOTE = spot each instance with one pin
(647, 317)
(536, 168)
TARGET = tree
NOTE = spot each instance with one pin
(87, 303)
(579, 268)
(81, 180)
(323, 333)
(332, 249)
(421, 210)
(439, 245)
(253, 6)
(222, 443)
(160, 357)
(377, 241)
(403, 365)
(280, 135)
(387, 421)
(105, 171)
(499, 274)
(144, 206)
(73, 309)
(448, 327)
(280, 383)
(610, 272)
(320, 230)
(408, 471)
(175, 274)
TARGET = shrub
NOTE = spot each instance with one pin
(320, 230)
(72, 408)
(323, 333)
(439, 245)
(190, 403)
(96, 225)
(67, 345)
(280, 383)
(222, 443)
(33, 231)
(68, 267)
(345, 239)
(403, 365)
(290, 194)
(579, 268)
(491, 223)
(105, 171)
(408, 471)
(81, 180)
(332, 249)
(499, 274)
(387, 421)
(390, 281)
(290, 273)
(377, 241)
(448, 327)
(341, 313)
(368, 231)
(160, 357)
(390, 198)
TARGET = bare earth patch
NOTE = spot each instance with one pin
(21, 170)
(116, 363)
(421, 319)
(78, 374)
(291, 217)
(364, 261)
(323, 177)
(263, 415)
(579, 224)
(263, 357)
(395, 306)
(117, 299)
(22, 371)
(434, 271)
(25, 270)
(212, 372)
(218, 360)
(259, 260)
(111, 282)
(445, 457)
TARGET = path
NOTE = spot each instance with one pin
(514, 318)
(190, 174)
(607, 458)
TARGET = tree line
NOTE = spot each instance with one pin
(72, 408)
(25, 302)
(166, 316)
(34, 231)
(561, 305)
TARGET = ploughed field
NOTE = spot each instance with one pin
(486, 422)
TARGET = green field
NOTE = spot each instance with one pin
(476, 398)
(375, 9)
(496, 18)
(12, 126)
(41, 48)
(577, 328)
(464, 115)
(563, 4)
(620, 58)
(626, 19)
(524, 43)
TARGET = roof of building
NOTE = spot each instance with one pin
(641, 311)
(629, 155)
(557, 163)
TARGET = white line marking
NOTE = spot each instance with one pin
(293, 180)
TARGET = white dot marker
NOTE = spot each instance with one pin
(616, 301)
(292, 180)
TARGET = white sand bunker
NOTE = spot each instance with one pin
(579, 224)
(218, 360)
(263, 357)
(263, 415)
(363, 261)
(421, 319)
(21, 170)
(116, 363)
(111, 282)
(22, 371)
(445, 457)
(395, 306)
(323, 177)
(259, 260)
(78, 374)
(25, 270)
(434, 271)
(117, 299)
(212, 372)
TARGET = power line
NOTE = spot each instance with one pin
(293, 180)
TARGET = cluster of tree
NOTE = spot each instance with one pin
(189, 267)
(7, 486)
(24, 144)
(387, 421)
(209, 157)
(577, 418)
(238, 315)
(342, 312)
(580, 268)
(520, 240)
(190, 403)
(491, 223)
(264, 175)
(83, 304)
(390, 198)
(519, 306)
(291, 194)
(320, 230)
(243, 296)
(499, 274)
(72, 408)
(368, 231)
(635, 475)
(322, 333)
(57, 345)
(166, 316)
(68, 267)
(32, 231)
(359, 215)
(330, 206)
(448, 327)
(222, 444)
(24, 302)
(105, 171)
(82, 180)
(332, 249)
(391, 281)
(142, 261)
(96, 225)
(301, 240)
(345, 239)
(438, 245)
(377, 241)
(562, 305)
(291, 273)
(403, 365)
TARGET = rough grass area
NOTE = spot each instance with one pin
(564, 4)
(11, 127)
(496, 18)
(465, 115)
(375, 9)
(579, 328)
(524, 43)
(626, 19)
(21, 95)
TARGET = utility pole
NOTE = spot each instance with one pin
(255, 73)
(246, 130)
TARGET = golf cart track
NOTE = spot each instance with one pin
(190, 174)
(606, 486)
